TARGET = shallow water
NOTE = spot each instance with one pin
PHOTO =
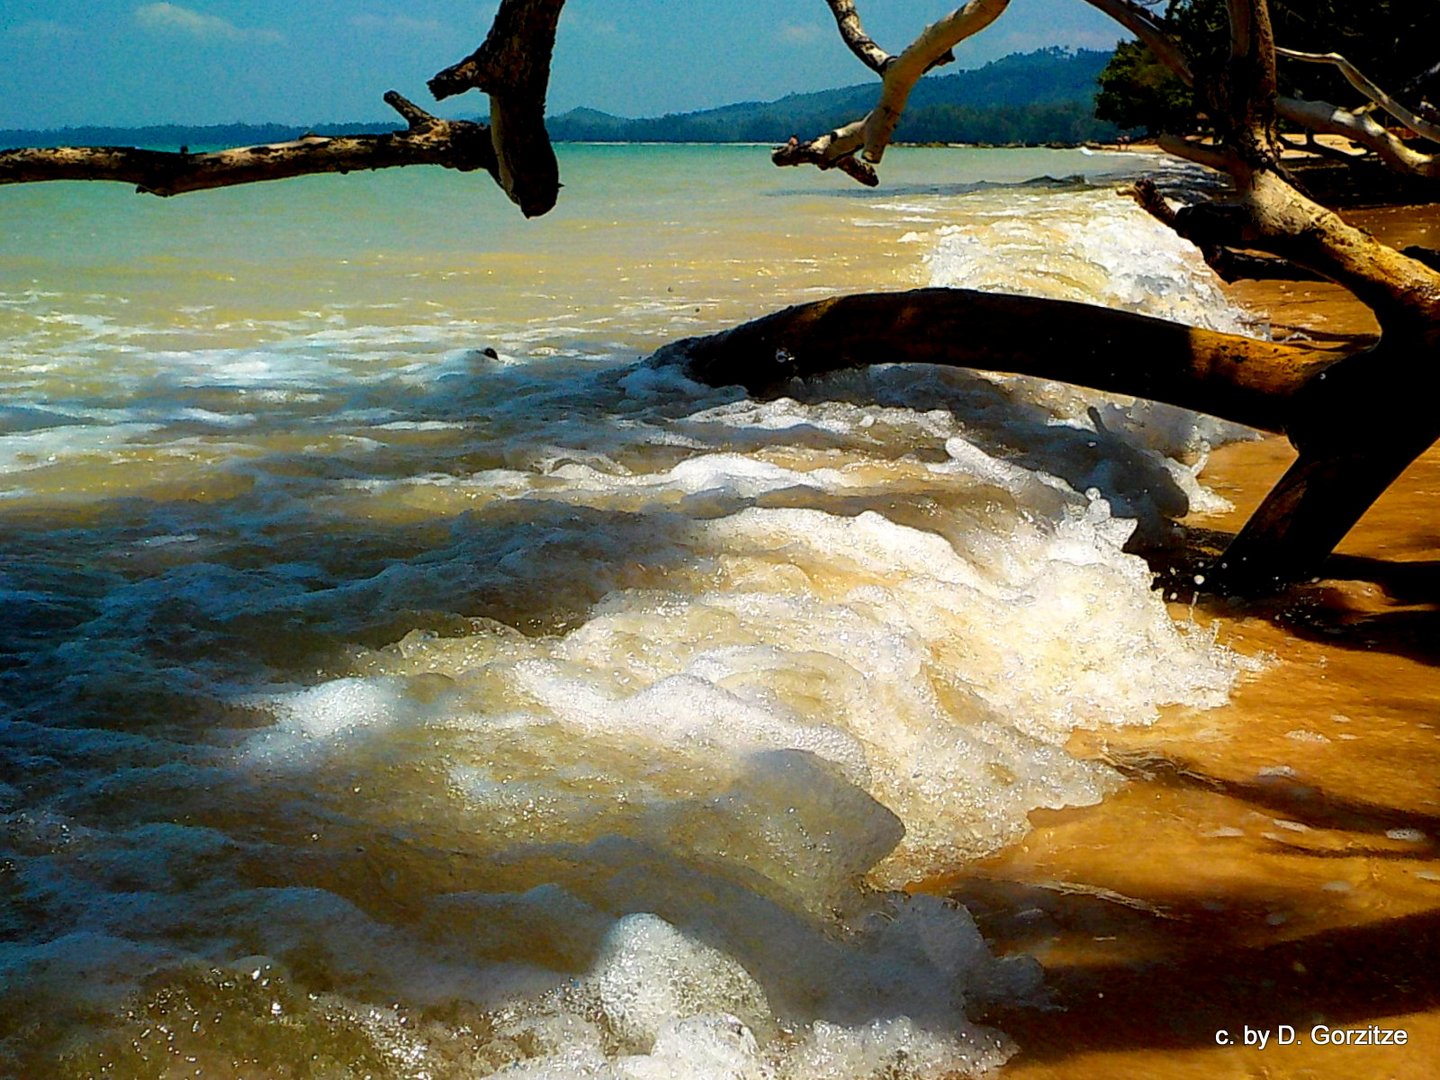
(377, 705)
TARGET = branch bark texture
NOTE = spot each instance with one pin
(1225, 375)
(847, 20)
(1358, 79)
(512, 66)
(428, 140)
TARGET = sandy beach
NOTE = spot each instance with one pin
(1271, 872)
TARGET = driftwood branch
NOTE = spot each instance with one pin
(837, 149)
(1209, 156)
(847, 19)
(512, 66)
(1225, 375)
(1356, 78)
(931, 47)
(833, 150)
(1229, 264)
(1321, 116)
(1141, 22)
(454, 144)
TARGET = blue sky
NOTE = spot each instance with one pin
(215, 61)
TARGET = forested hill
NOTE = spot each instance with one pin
(1038, 97)
(174, 136)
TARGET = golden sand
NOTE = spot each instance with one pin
(1273, 865)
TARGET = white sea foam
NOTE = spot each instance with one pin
(600, 710)
(1094, 247)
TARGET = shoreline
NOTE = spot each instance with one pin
(1272, 865)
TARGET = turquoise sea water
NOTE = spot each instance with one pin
(375, 705)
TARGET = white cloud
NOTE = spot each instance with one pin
(172, 18)
(800, 34)
(396, 24)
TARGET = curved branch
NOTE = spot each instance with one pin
(833, 150)
(512, 65)
(837, 149)
(859, 42)
(1209, 156)
(1357, 79)
(1329, 119)
(904, 71)
(1234, 377)
(454, 144)
(1229, 264)
(1272, 216)
(1143, 24)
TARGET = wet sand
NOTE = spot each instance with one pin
(1273, 865)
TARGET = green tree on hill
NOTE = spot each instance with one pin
(1394, 41)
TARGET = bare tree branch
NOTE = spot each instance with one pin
(512, 65)
(833, 150)
(1330, 119)
(454, 144)
(1357, 79)
(1229, 265)
(837, 149)
(1224, 375)
(859, 42)
(1211, 157)
(1141, 22)
(905, 70)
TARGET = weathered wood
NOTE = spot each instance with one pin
(512, 66)
(1225, 375)
(933, 46)
(1358, 425)
(1229, 264)
(872, 133)
(1306, 515)
(1327, 119)
(453, 144)
(847, 21)
(1358, 79)
(1143, 23)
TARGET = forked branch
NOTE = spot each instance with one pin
(1357, 78)
(428, 140)
(1322, 117)
(512, 66)
(931, 47)
(837, 149)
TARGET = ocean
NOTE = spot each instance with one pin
(401, 678)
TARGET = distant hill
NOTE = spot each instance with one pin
(174, 136)
(1043, 96)
(1038, 97)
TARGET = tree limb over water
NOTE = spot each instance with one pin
(454, 144)
(1357, 421)
(1240, 378)
(512, 66)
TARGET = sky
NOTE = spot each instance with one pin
(135, 62)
